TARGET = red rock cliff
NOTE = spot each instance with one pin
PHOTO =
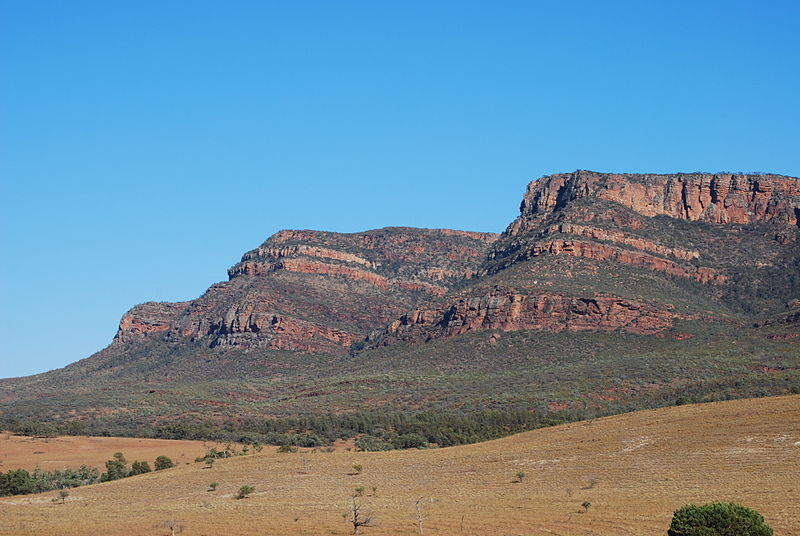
(713, 198)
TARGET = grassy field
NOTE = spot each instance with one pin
(49, 453)
(634, 469)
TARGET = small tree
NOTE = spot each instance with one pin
(115, 468)
(210, 462)
(357, 468)
(163, 462)
(358, 516)
(213, 486)
(420, 517)
(244, 491)
(718, 519)
(139, 468)
(63, 494)
(586, 505)
(520, 476)
(174, 526)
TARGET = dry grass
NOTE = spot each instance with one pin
(48, 453)
(635, 469)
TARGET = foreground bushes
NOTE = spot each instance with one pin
(718, 519)
(21, 482)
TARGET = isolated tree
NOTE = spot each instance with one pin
(163, 462)
(520, 476)
(244, 491)
(213, 486)
(63, 494)
(718, 519)
(358, 516)
(174, 526)
(420, 516)
(586, 505)
(357, 468)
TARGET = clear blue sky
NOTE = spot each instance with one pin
(144, 146)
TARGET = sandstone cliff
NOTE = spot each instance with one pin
(314, 291)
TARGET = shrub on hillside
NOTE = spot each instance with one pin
(163, 462)
(718, 519)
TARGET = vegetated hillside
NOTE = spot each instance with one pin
(634, 470)
(609, 292)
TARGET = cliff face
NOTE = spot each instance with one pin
(712, 198)
(314, 291)
(666, 237)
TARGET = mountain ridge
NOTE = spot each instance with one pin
(622, 266)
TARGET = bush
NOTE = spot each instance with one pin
(410, 441)
(718, 519)
(163, 462)
(244, 491)
(139, 468)
(371, 443)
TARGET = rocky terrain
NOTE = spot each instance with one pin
(678, 262)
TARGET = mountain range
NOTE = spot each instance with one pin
(608, 292)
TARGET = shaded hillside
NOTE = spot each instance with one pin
(609, 292)
(634, 469)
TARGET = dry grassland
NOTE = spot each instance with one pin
(48, 453)
(635, 469)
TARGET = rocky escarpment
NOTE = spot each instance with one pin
(691, 231)
(507, 309)
(314, 291)
(713, 198)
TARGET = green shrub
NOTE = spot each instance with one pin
(163, 462)
(718, 519)
(139, 468)
(244, 491)
(410, 441)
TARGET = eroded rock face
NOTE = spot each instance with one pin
(508, 310)
(713, 198)
(315, 291)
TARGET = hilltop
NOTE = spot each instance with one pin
(608, 292)
(634, 469)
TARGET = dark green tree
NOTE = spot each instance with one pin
(17, 482)
(116, 468)
(718, 519)
(163, 462)
(138, 468)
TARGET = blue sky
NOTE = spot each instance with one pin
(144, 146)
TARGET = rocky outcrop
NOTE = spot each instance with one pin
(603, 252)
(713, 198)
(147, 319)
(314, 291)
(508, 310)
(620, 237)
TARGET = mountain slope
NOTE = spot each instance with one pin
(608, 292)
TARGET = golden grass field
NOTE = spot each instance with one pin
(635, 469)
(50, 453)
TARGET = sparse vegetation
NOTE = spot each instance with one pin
(213, 486)
(244, 491)
(520, 476)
